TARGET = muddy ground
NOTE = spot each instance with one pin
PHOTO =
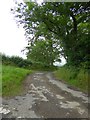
(45, 97)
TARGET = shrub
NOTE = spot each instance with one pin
(16, 61)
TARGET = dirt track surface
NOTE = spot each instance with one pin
(46, 97)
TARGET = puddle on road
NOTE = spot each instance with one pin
(64, 87)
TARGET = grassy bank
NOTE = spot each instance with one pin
(12, 79)
(75, 77)
(0, 77)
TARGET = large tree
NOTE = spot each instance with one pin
(67, 23)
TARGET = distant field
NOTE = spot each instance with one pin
(12, 78)
(78, 79)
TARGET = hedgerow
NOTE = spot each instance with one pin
(16, 61)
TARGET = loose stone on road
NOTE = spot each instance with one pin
(45, 97)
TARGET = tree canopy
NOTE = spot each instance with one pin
(66, 24)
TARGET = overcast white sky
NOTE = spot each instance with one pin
(12, 39)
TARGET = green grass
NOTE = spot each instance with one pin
(12, 80)
(0, 77)
(74, 77)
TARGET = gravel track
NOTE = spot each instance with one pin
(45, 97)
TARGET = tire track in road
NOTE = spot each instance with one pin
(46, 97)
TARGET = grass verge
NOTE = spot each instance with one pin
(12, 80)
(74, 77)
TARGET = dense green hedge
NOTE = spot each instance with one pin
(23, 63)
(16, 61)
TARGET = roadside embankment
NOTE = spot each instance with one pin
(73, 76)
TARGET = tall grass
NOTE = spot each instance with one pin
(73, 76)
(0, 77)
(12, 79)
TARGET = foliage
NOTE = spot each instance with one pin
(12, 80)
(41, 67)
(43, 53)
(16, 61)
(75, 77)
(67, 23)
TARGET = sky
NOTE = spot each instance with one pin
(12, 39)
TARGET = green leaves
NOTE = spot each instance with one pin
(43, 53)
(16, 61)
(66, 24)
